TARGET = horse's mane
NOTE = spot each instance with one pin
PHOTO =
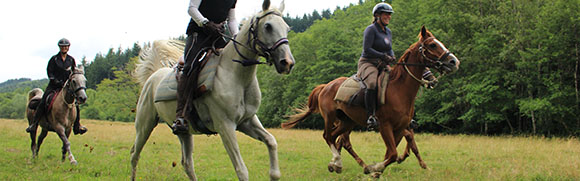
(163, 53)
(397, 70)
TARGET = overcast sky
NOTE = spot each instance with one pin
(30, 29)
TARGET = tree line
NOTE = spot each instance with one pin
(519, 71)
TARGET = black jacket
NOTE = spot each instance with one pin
(58, 70)
(214, 10)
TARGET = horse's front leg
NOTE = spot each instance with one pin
(187, 155)
(388, 136)
(254, 129)
(65, 144)
(227, 131)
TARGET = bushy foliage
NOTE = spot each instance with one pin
(519, 71)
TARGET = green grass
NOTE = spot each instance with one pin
(103, 154)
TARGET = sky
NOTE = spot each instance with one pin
(30, 29)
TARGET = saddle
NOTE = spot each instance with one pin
(201, 78)
(50, 99)
(167, 89)
(351, 91)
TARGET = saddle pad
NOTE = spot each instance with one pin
(351, 86)
(167, 89)
(348, 88)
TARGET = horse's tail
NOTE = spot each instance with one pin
(163, 53)
(307, 110)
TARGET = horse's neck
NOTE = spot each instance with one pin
(407, 82)
(66, 97)
(235, 71)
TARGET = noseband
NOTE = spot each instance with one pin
(267, 51)
(433, 63)
(253, 42)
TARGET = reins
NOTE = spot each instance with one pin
(253, 41)
(67, 85)
(434, 63)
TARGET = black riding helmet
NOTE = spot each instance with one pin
(63, 42)
(382, 7)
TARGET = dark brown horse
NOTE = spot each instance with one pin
(60, 118)
(393, 117)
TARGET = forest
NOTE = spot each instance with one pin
(519, 72)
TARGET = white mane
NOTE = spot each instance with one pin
(163, 53)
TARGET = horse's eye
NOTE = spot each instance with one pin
(268, 27)
(432, 45)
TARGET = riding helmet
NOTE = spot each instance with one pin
(382, 7)
(63, 42)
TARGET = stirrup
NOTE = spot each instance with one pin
(179, 126)
(371, 122)
(31, 128)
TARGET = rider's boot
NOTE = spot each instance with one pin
(371, 106)
(77, 127)
(180, 124)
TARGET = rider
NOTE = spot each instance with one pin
(377, 52)
(204, 30)
(59, 68)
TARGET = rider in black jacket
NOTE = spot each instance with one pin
(205, 27)
(60, 67)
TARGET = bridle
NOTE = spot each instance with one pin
(253, 42)
(70, 91)
(433, 63)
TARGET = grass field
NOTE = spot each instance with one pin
(103, 154)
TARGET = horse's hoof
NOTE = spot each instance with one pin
(376, 175)
(74, 162)
(338, 169)
(423, 165)
(399, 159)
(330, 168)
(367, 170)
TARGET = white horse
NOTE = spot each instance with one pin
(235, 98)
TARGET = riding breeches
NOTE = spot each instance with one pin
(368, 72)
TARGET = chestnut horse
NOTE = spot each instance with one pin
(393, 117)
(61, 116)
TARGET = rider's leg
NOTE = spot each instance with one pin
(77, 127)
(180, 124)
(371, 106)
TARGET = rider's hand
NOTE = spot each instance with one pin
(214, 28)
(387, 58)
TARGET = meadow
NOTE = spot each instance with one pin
(104, 154)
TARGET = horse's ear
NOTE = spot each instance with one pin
(282, 6)
(423, 31)
(266, 5)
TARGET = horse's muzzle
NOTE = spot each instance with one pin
(452, 64)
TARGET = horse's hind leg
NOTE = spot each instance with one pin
(409, 137)
(345, 142)
(145, 121)
(331, 133)
(65, 144)
(186, 155)
(411, 145)
(41, 137)
(254, 129)
(33, 144)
